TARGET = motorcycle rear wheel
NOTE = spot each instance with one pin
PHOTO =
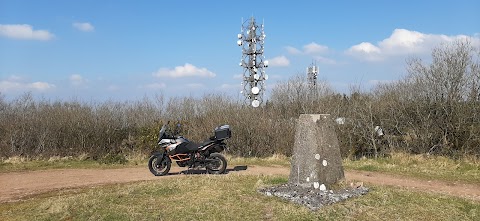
(218, 164)
(159, 169)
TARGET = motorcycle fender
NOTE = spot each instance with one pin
(159, 156)
(157, 153)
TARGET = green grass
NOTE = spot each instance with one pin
(235, 197)
(24, 164)
(229, 197)
(421, 166)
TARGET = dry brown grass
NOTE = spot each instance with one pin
(229, 197)
(422, 166)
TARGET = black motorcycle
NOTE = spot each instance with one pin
(185, 153)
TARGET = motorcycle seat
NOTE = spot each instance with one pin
(205, 143)
(193, 146)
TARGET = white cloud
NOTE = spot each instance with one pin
(314, 48)
(366, 51)
(15, 83)
(293, 50)
(404, 42)
(10, 85)
(77, 80)
(40, 86)
(24, 32)
(188, 70)
(83, 26)
(365, 47)
(280, 61)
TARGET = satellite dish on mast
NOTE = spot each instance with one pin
(255, 103)
(255, 90)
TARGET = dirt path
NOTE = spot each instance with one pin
(19, 185)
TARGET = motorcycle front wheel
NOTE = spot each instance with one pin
(159, 169)
(217, 164)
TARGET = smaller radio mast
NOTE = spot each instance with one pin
(312, 73)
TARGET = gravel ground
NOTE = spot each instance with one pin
(310, 197)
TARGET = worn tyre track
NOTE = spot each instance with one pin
(16, 186)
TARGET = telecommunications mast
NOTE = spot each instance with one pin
(312, 73)
(251, 39)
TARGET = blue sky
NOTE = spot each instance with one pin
(124, 50)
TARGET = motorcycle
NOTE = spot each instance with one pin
(185, 153)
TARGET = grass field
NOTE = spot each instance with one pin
(421, 166)
(229, 197)
(235, 197)
(25, 164)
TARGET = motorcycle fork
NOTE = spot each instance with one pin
(159, 162)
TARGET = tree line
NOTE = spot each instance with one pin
(434, 109)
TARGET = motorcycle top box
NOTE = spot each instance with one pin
(223, 132)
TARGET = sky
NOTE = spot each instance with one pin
(126, 50)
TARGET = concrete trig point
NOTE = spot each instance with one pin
(316, 160)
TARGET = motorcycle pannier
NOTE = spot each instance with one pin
(223, 132)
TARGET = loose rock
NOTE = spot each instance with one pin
(310, 197)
